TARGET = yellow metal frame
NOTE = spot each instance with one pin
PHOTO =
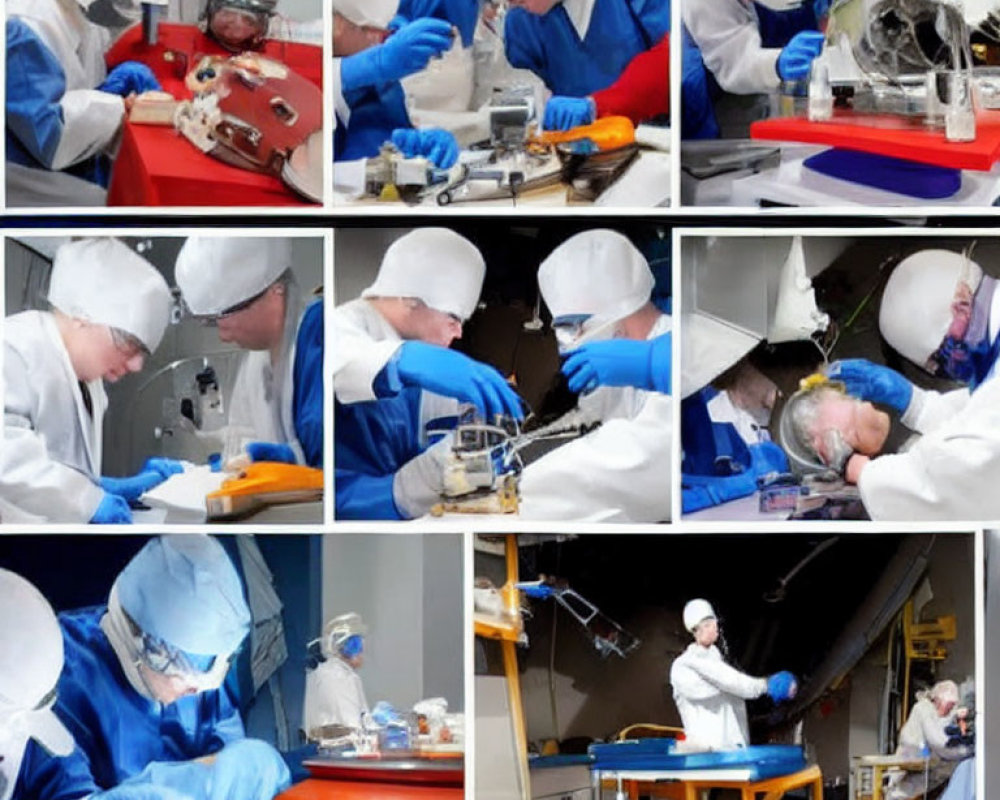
(923, 642)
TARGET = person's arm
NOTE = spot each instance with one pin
(727, 34)
(727, 679)
(58, 127)
(50, 777)
(928, 409)
(937, 739)
(308, 385)
(29, 478)
(950, 473)
(642, 91)
(357, 359)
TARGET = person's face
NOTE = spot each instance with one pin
(429, 325)
(356, 661)
(235, 28)
(535, 6)
(863, 427)
(165, 688)
(944, 707)
(707, 632)
(97, 356)
(255, 326)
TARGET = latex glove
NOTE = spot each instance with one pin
(418, 485)
(165, 467)
(406, 51)
(437, 145)
(797, 56)
(129, 77)
(248, 769)
(619, 362)
(133, 487)
(563, 113)
(270, 451)
(872, 382)
(782, 686)
(113, 510)
(384, 713)
(453, 374)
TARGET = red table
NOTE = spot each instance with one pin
(156, 166)
(314, 789)
(892, 137)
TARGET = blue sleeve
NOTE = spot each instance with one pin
(307, 377)
(364, 497)
(660, 361)
(221, 722)
(49, 777)
(35, 85)
(653, 17)
(521, 42)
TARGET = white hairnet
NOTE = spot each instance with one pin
(916, 306)
(215, 273)
(597, 272)
(944, 692)
(184, 590)
(696, 611)
(31, 658)
(436, 265)
(376, 13)
(105, 282)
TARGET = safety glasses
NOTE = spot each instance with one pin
(167, 660)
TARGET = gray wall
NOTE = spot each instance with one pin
(357, 253)
(408, 590)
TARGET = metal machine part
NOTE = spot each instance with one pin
(152, 11)
(511, 110)
(907, 58)
(483, 469)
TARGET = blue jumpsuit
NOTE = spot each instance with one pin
(117, 730)
(307, 377)
(47, 777)
(550, 46)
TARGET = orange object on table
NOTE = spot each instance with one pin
(608, 133)
(890, 136)
(313, 789)
(157, 166)
(179, 48)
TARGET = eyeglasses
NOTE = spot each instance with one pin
(236, 309)
(167, 660)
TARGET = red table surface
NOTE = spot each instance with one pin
(893, 138)
(313, 789)
(156, 166)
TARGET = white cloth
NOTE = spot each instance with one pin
(91, 119)
(617, 473)
(51, 456)
(363, 343)
(334, 696)
(711, 698)
(924, 731)
(951, 472)
(727, 34)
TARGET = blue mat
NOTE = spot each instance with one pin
(764, 761)
(898, 175)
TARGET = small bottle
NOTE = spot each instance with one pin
(820, 92)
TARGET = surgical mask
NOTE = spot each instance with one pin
(964, 353)
(779, 5)
(573, 330)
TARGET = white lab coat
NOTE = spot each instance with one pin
(727, 34)
(91, 119)
(334, 696)
(51, 458)
(923, 731)
(711, 698)
(255, 413)
(952, 471)
(617, 473)
(363, 343)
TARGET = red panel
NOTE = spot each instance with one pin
(314, 789)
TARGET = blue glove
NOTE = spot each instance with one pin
(620, 362)
(248, 769)
(563, 113)
(164, 466)
(270, 451)
(129, 77)
(437, 145)
(539, 591)
(134, 487)
(407, 51)
(797, 56)
(872, 382)
(113, 510)
(782, 686)
(384, 713)
(453, 374)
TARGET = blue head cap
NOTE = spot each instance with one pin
(184, 590)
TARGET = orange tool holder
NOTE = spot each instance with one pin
(608, 133)
(262, 484)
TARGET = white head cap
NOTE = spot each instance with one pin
(339, 629)
(944, 692)
(695, 612)
(597, 272)
(376, 13)
(215, 273)
(916, 305)
(436, 265)
(105, 282)
(31, 658)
